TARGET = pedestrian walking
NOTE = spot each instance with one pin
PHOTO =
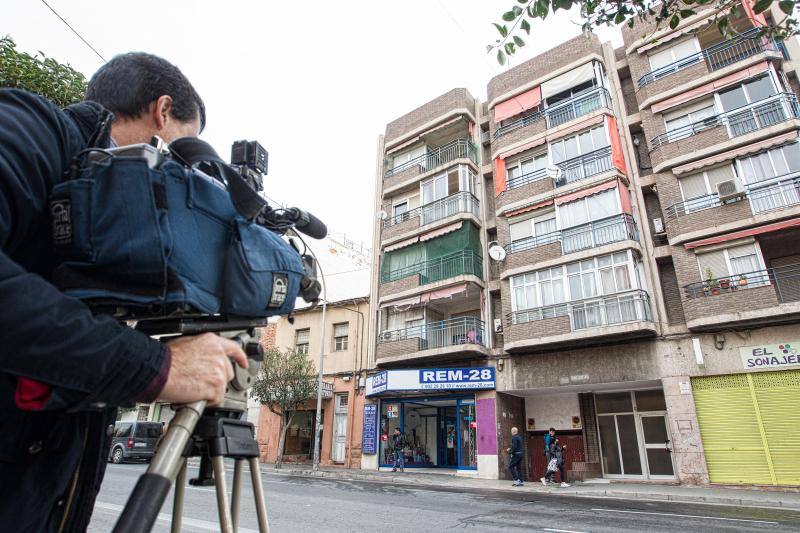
(549, 438)
(398, 443)
(555, 464)
(515, 453)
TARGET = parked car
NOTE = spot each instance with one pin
(134, 441)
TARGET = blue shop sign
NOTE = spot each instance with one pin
(456, 378)
(369, 438)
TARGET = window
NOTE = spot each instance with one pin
(698, 189)
(674, 54)
(123, 430)
(770, 164)
(341, 403)
(687, 121)
(746, 93)
(402, 158)
(399, 209)
(301, 341)
(588, 209)
(340, 332)
(542, 227)
(526, 167)
(743, 260)
(571, 92)
(580, 144)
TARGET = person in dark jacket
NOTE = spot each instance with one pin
(555, 463)
(398, 443)
(63, 371)
(515, 455)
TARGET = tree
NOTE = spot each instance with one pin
(40, 74)
(616, 12)
(287, 380)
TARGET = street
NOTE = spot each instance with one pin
(313, 504)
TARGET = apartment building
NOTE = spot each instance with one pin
(607, 246)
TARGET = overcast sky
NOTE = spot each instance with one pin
(314, 82)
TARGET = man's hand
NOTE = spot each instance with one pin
(201, 368)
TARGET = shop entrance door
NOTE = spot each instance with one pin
(339, 428)
(448, 447)
(657, 446)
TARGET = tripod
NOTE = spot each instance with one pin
(212, 434)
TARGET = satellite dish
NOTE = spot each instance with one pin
(383, 215)
(497, 252)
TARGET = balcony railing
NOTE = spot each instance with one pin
(584, 166)
(525, 179)
(592, 312)
(746, 119)
(449, 266)
(458, 149)
(562, 112)
(460, 202)
(768, 195)
(718, 56)
(785, 279)
(597, 233)
(451, 332)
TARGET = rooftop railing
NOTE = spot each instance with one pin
(746, 119)
(449, 266)
(591, 235)
(718, 56)
(457, 149)
(592, 312)
(460, 202)
(451, 332)
(785, 279)
(561, 112)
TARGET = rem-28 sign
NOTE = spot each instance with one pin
(473, 378)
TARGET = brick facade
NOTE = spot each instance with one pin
(400, 228)
(534, 188)
(426, 113)
(671, 292)
(532, 256)
(708, 218)
(534, 129)
(396, 348)
(683, 147)
(399, 285)
(535, 329)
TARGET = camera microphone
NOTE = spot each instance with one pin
(306, 222)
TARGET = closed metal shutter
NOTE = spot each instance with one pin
(750, 427)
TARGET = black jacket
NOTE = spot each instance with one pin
(92, 364)
(516, 445)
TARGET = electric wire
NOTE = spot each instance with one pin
(75, 32)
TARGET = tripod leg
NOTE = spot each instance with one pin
(236, 493)
(218, 463)
(258, 493)
(177, 504)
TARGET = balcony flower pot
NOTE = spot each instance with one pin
(742, 281)
(714, 290)
(724, 284)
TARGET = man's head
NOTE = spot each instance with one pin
(396, 431)
(514, 431)
(552, 431)
(148, 96)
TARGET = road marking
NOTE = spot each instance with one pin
(189, 522)
(562, 530)
(688, 516)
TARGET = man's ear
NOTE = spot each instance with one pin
(162, 112)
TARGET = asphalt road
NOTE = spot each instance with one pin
(313, 504)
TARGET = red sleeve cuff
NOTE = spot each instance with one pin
(154, 389)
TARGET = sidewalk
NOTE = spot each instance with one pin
(628, 491)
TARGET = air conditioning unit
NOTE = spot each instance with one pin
(728, 190)
(658, 225)
(485, 138)
(498, 325)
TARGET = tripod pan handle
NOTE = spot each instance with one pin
(144, 504)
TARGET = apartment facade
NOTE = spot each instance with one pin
(608, 246)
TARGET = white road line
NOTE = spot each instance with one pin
(561, 530)
(189, 522)
(688, 516)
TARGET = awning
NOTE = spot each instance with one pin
(442, 293)
(586, 192)
(794, 222)
(414, 300)
(582, 125)
(442, 126)
(528, 208)
(524, 147)
(401, 244)
(499, 175)
(568, 80)
(738, 152)
(518, 104)
(709, 88)
(441, 231)
(656, 40)
(759, 19)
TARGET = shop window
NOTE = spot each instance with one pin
(300, 435)
(614, 402)
(650, 400)
(302, 337)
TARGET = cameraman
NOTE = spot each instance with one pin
(63, 372)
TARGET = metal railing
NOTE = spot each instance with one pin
(524, 179)
(451, 332)
(460, 202)
(768, 195)
(746, 119)
(785, 279)
(592, 312)
(597, 233)
(449, 266)
(717, 56)
(562, 112)
(584, 166)
(457, 149)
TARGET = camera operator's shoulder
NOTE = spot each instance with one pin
(17, 101)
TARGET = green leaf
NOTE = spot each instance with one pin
(686, 13)
(518, 41)
(526, 26)
(631, 22)
(508, 16)
(762, 5)
(722, 25)
(489, 48)
(787, 6)
(501, 29)
(674, 21)
(501, 57)
(619, 18)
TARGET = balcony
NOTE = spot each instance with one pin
(738, 122)
(460, 202)
(609, 230)
(717, 56)
(452, 151)
(584, 166)
(461, 263)
(621, 315)
(562, 112)
(454, 335)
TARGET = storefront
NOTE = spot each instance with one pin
(441, 412)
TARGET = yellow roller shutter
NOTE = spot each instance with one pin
(750, 426)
